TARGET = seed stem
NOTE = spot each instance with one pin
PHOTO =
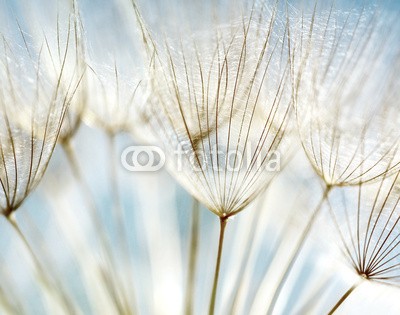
(297, 250)
(223, 221)
(343, 298)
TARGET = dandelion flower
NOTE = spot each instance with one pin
(367, 219)
(32, 110)
(220, 103)
(33, 102)
(346, 99)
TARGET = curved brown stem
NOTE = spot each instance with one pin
(343, 298)
(223, 222)
(297, 250)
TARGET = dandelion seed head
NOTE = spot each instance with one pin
(346, 106)
(33, 100)
(223, 97)
(113, 99)
(116, 76)
(367, 218)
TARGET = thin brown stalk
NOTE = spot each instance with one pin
(297, 250)
(223, 221)
(343, 298)
(245, 264)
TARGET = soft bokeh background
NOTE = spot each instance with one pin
(157, 212)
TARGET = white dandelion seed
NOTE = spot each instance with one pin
(220, 104)
(346, 100)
